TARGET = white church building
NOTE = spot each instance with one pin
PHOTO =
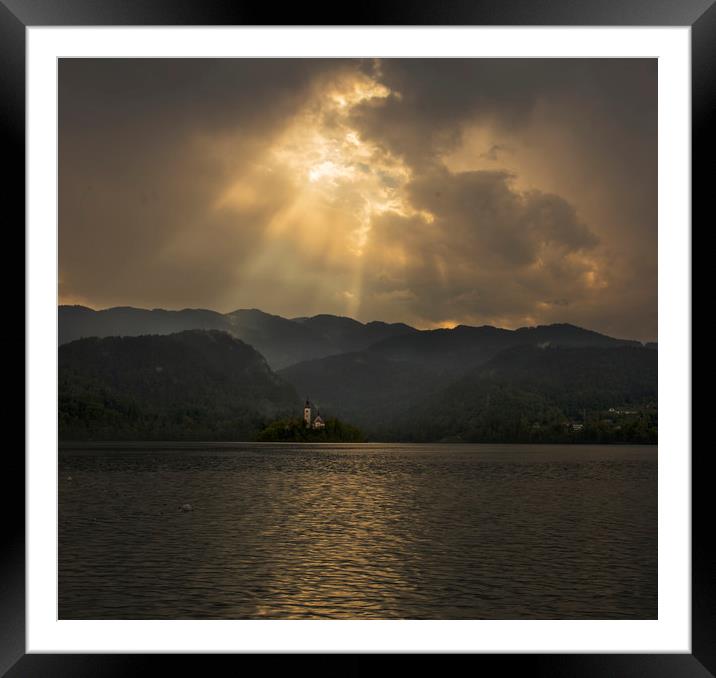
(317, 422)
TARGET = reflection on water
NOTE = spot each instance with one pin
(358, 531)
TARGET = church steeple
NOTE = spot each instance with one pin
(307, 413)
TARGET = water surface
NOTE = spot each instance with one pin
(358, 531)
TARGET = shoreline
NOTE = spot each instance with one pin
(188, 444)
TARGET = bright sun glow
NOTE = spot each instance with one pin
(340, 183)
(344, 173)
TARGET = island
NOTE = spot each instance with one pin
(310, 429)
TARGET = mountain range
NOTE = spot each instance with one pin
(284, 342)
(394, 381)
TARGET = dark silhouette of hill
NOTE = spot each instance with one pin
(196, 384)
(280, 340)
(372, 387)
(77, 322)
(365, 388)
(285, 342)
(455, 351)
(391, 380)
(531, 394)
(348, 335)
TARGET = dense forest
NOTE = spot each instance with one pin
(555, 383)
(192, 385)
(531, 394)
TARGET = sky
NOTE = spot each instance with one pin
(435, 192)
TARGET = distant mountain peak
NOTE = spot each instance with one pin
(287, 341)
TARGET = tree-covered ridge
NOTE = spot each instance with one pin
(192, 385)
(364, 388)
(531, 394)
(282, 341)
(295, 430)
(289, 341)
(442, 385)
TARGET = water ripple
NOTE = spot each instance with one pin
(370, 531)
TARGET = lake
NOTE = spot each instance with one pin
(369, 531)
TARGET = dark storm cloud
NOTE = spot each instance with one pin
(481, 213)
(509, 191)
(433, 98)
(584, 128)
(169, 95)
(489, 252)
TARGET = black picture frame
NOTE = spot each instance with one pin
(16, 15)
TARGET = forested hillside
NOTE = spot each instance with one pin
(529, 394)
(189, 385)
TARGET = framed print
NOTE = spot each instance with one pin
(351, 338)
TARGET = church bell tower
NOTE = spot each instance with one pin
(307, 414)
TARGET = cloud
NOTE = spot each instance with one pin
(426, 191)
(147, 148)
(478, 250)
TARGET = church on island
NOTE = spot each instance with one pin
(315, 423)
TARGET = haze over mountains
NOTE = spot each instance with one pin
(281, 341)
(392, 380)
(285, 342)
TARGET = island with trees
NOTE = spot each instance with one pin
(294, 430)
